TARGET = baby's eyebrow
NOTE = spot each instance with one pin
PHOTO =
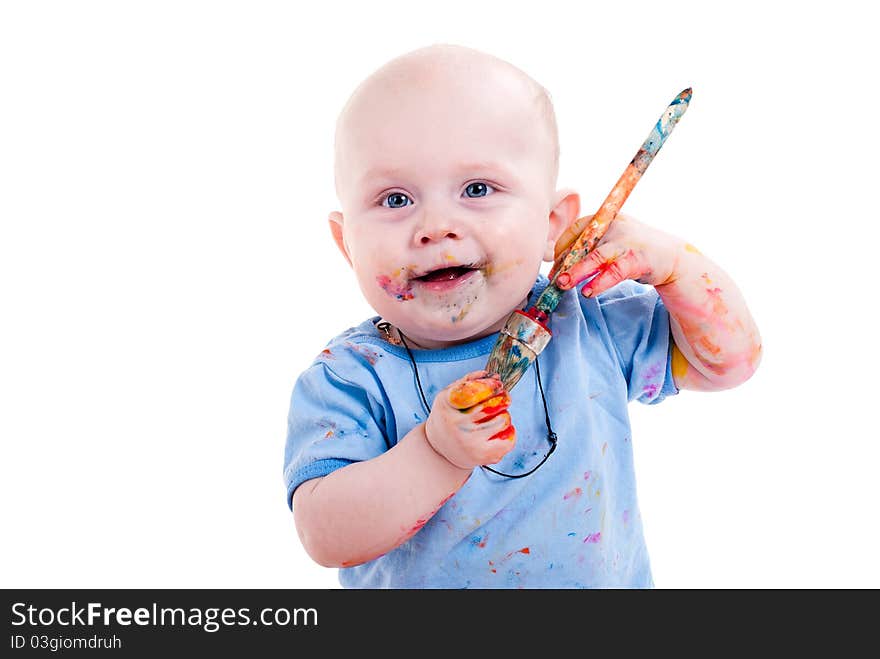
(475, 167)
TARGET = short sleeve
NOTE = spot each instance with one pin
(332, 423)
(638, 324)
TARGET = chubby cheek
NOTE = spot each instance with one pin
(515, 260)
(396, 283)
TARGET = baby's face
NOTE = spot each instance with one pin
(447, 198)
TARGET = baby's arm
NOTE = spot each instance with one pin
(365, 509)
(717, 344)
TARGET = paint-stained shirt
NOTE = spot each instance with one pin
(574, 523)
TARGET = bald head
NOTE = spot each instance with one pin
(449, 72)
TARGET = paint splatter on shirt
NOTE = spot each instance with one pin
(575, 522)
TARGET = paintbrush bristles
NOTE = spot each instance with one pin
(518, 344)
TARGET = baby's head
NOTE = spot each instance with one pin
(446, 166)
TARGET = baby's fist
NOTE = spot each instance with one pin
(469, 424)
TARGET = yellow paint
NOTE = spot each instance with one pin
(463, 312)
(469, 393)
(690, 248)
(493, 269)
(679, 364)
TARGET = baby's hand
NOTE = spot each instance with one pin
(469, 424)
(628, 250)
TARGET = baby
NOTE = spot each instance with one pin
(409, 466)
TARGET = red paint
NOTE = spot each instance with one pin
(524, 550)
(370, 355)
(394, 288)
(576, 492)
(493, 407)
(508, 433)
(538, 316)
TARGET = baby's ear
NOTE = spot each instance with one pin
(562, 215)
(336, 220)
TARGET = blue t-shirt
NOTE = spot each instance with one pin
(575, 522)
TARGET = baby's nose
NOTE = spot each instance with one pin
(425, 236)
(435, 227)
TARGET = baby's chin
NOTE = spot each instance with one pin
(444, 328)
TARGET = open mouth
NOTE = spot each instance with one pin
(446, 274)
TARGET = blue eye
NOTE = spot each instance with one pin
(478, 188)
(396, 200)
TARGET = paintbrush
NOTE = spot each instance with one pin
(525, 334)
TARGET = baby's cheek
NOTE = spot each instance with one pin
(504, 269)
(396, 283)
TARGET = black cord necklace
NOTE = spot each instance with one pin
(551, 436)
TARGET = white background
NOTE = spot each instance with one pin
(166, 270)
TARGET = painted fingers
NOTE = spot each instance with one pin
(630, 250)
(470, 424)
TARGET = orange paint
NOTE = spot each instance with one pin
(718, 307)
(469, 393)
(708, 344)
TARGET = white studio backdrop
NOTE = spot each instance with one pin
(167, 271)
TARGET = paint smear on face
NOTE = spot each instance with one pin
(396, 286)
(464, 311)
(494, 269)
